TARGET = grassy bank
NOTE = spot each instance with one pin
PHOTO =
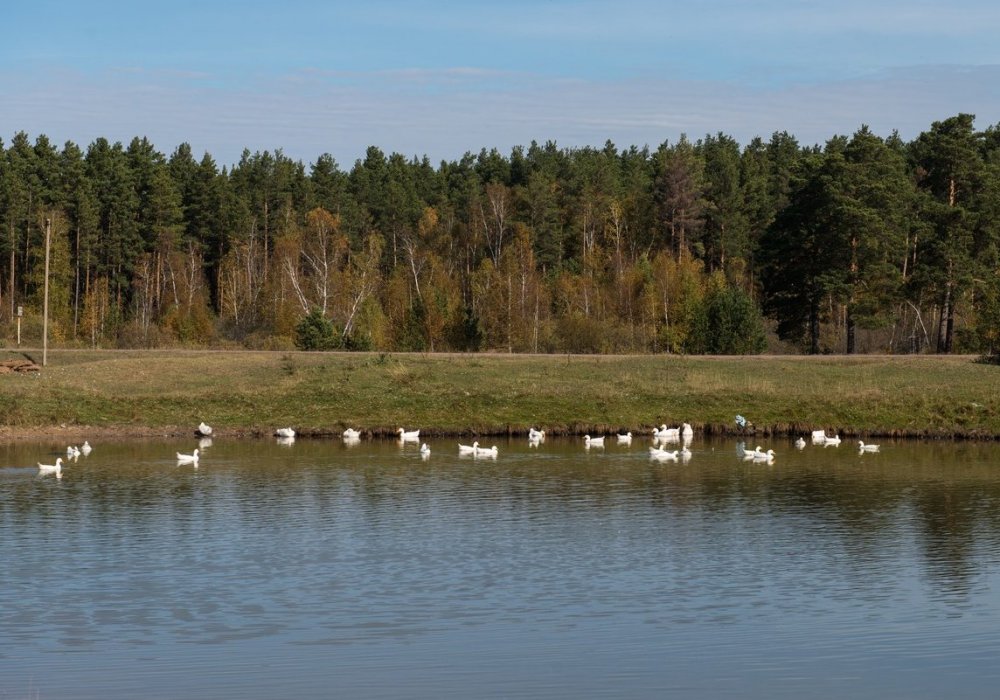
(255, 392)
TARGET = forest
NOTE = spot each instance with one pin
(864, 244)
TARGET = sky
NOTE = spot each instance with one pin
(440, 78)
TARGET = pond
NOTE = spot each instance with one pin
(319, 569)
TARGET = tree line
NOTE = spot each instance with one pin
(863, 244)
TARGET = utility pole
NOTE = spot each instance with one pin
(45, 301)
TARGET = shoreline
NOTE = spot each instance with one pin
(156, 394)
(125, 432)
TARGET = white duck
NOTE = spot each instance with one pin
(409, 435)
(625, 439)
(86, 448)
(51, 468)
(487, 451)
(204, 429)
(351, 434)
(759, 456)
(593, 441)
(284, 433)
(665, 433)
(188, 459)
(72, 451)
(468, 449)
(661, 453)
(862, 447)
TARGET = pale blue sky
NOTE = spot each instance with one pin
(441, 77)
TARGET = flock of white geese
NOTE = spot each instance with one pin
(663, 437)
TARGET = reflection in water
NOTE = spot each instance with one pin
(549, 571)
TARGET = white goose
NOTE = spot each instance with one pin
(409, 435)
(835, 441)
(624, 439)
(351, 434)
(593, 441)
(759, 456)
(818, 436)
(665, 433)
(188, 459)
(204, 429)
(72, 451)
(800, 443)
(51, 468)
(661, 453)
(468, 449)
(487, 452)
(536, 434)
(284, 433)
(687, 431)
(685, 454)
(750, 455)
(86, 448)
(862, 447)
(425, 451)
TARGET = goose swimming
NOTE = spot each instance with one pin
(862, 447)
(624, 439)
(86, 448)
(51, 468)
(487, 451)
(662, 454)
(351, 434)
(412, 435)
(284, 432)
(468, 449)
(759, 456)
(204, 429)
(593, 441)
(665, 433)
(188, 459)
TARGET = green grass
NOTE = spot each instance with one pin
(323, 393)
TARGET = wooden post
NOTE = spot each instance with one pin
(45, 301)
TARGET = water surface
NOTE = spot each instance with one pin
(317, 570)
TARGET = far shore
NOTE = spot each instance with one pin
(90, 394)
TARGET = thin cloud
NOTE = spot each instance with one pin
(308, 119)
